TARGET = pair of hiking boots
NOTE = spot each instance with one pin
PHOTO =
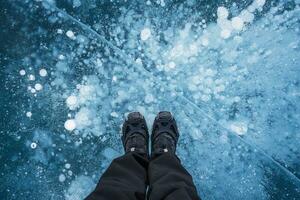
(164, 137)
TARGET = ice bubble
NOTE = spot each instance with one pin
(222, 12)
(67, 165)
(114, 114)
(38, 86)
(22, 72)
(224, 24)
(139, 61)
(247, 16)
(205, 98)
(205, 42)
(62, 178)
(260, 3)
(32, 90)
(162, 3)
(61, 57)
(76, 3)
(70, 34)
(239, 128)
(59, 31)
(71, 101)
(31, 77)
(145, 34)
(149, 98)
(83, 117)
(33, 145)
(225, 33)
(172, 65)
(28, 114)
(43, 72)
(114, 79)
(70, 124)
(70, 173)
(237, 23)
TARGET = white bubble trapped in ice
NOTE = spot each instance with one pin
(61, 57)
(205, 42)
(145, 34)
(237, 23)
(59, 31)
(70, 34)
(33, 145)
(70, 124)
(225, 33)
(62, 178)
(28, 114)
(31, 77)
(32, 90)
(260, 3)
(114, 114)
(22, 72)
(76, 3)
(222, 12)
(71, 101)
(172, 65)
(239, 128)
(67, 165)
(38, 86)
(43, 72)
(247, 16)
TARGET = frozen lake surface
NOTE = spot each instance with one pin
(228, 70)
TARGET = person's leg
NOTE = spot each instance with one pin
(168, 179)
(126, 178)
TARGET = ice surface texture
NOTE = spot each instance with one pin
(229, 71)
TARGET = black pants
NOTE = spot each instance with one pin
(128, 176)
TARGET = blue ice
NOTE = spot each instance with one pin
(228, 70)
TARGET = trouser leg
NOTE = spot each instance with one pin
(125, 179)
(169, 180)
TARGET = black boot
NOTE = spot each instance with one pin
(135, 136)
(164, 134)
